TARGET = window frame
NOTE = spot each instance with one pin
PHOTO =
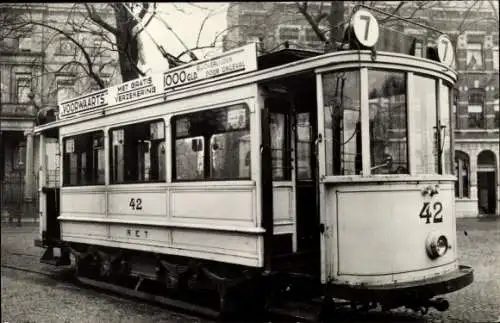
(95, 171)
(496, 113)
(111, 149)
(476, 98)
(20, 78)
(495, 58)
(283, 27)
(361, 78)
(462, 158)
(65, 83)
(471, 51)
(206, 145)
(60, 47)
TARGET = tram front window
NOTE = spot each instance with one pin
(342, 123)
(424, 114)
(388, 126)
(444, 127)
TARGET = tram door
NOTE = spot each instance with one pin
(292, 121)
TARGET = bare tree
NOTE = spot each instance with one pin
(329, 26)
(111, 24)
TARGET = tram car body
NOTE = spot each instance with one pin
(331, 172)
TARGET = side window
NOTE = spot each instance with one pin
(304, 146)
(84, 160)
(212, 144)
(279, 147)
(138, 153)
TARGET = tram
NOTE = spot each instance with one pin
(327, 176)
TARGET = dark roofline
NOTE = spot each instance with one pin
(283, 56)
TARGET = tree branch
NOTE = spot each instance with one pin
(201, 28)
(95, 17)
(395, 11)
(459, 29)
(303, 10)
(90, 71)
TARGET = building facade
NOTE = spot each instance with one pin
(472, 26)
(40, 65)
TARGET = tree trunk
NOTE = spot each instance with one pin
(336, 23)
(128, 51)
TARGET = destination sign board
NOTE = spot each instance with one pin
(135, 90)
(233, 62)
(84, 103)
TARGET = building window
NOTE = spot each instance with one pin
(65, 47)
(462, 173)
(311, 35)
(138, 153)
(495, 58)
(83, 161)
(23, 84)
(475, 111)
(19, 156)
(474, 56)
(497, 114)
(96, 47)
(418, 49)
(25, 44)
(341, 99)
(212, 144)
(65, 90)
(288, 33)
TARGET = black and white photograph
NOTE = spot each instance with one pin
(205, 162)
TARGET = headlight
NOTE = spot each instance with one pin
(436, 245)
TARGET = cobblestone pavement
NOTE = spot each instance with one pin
(34, 298)
(479, 247)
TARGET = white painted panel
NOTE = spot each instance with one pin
(229, 204)
(83, 202)
(84, 230)
(282, 204)
(145, 203)
(218, 242)
(380, 230)
(140, 234)
(230, 247)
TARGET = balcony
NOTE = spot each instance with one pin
(17, 110)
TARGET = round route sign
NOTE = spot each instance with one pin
(445, 50)
(365, 28)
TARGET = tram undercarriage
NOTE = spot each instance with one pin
(221, 290)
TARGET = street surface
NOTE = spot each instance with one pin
(31, 297)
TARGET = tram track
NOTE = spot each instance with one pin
(299, 312)
(69, 276)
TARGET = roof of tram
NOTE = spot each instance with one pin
(284, 56)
